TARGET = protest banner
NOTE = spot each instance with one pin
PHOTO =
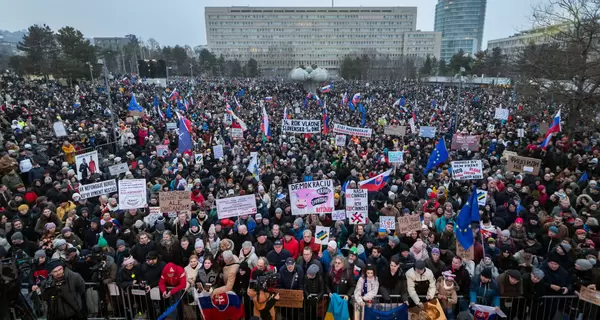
(118, 168)
(467, 170)
(501, 114)
(236, 206)
(396, 156)
(290, 298)
(90, 190)
(481, 197)
(427, 132)
(413, 127)
(311, 197)
(465, 254)
(352, 131)
(300, 126)
(524, 164)
(218, 151)
(171, 125)
(322, 235)
(338, 215)
(175, 201)
(387, 223)
(357, 205)
(460, 142)
(132, 194)
(86, 164)
(237, 133)
(162, 150)
(589, 295)
(154, 214)
(59, 129)
(395, 130)
(340, 140)
(406, 224)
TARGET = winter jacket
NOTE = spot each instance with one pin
(139, 251)
(366, 289)
(125, 277)
(152, 274)
(293, 280)
(435, 267)
(344, 287)
(506, 289)
(292, 246)
(229, 274)
(315, 285)
(533, 291)
(489, 292)
(420, 284)
(67, 303)
(207, 276)
(178, 280)
(278, 259)
(314, 247)
(447, 297)
(482, 266)
(251, 259)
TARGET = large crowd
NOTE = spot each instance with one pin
(541, 230)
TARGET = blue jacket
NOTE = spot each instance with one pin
(298, 234)
(440, 223)
(486, 291)
(326, 260)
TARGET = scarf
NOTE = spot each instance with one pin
(450, 287)
(337, 275)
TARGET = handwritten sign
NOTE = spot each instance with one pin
(290, 298)
(396, 156)
(467, 170)
(162, 150)
(524, 164)
(237, 133)
(589, 295)
(175, 201)
(97, 189)
(118, 168)
(218, 151)
(465, 254)
(338, 215)
(408, 223)
(132, 194)
(387, 223)
(236, 206)
(357, 205)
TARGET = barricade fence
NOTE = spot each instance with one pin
(111, 302)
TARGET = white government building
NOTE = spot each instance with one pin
(283, 38)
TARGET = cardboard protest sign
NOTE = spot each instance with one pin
(357, 205)
(290, 298)
(481, 197)
(322, 235)
(387, 223)
(237, 133)
(132, 194)
(311, 197)
(395, 130)
(352, 131)
(460, 142)
(118, 168)
(59, 129)
(236, 206)
(154, 214)
(467, 170)
(340, 140)
(491, 127)
(171, 125)
(175, 201)
(465, 254)
(409, 223)
(162, 150)
(589, 295)
(524, 164)
(301, 126)
(218, 151)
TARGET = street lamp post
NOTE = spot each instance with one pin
(110, 106)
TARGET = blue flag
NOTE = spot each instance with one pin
(185, 139)
(363, 120)
(169, 112)
(438, 156)
(584, 177)
(433, 103)
(397, 313)
(305, 102)
(402, 101)
(351, 105)
(155, 101)
(468, 214)
(134, 106)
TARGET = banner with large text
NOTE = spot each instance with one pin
(311, 197)
(352, 131)
(301, 126)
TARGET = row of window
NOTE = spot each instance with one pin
(311, 16)
(311, 31)
(304, 23)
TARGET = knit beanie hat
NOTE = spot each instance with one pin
(194, 223)
(246, 245)
(298, 222)
(102, 242)
(394, 240)
(538, 273)
(584, 264)
(486, 273)
(199, 243)
(566, 247)
(121, 243)
(40, 253)
(59, 242)
(553, 229)
(17, 236)
(50, 225)
(312, 270)
(128, 260)
(505, 233)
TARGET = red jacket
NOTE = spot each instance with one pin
(178, 281)
(314, 247)
(292, 246)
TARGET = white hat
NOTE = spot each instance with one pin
(76, 196)
(332, 244)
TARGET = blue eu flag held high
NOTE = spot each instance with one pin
(468, 214)
(185, 139)
(438, 156)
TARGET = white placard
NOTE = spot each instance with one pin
(91, 190)
(413, 127)
(301, 126)
(340, 140)
(162, 150)
(171, 125)
(297, 110)
(25, 165)
(227, 119)
(352, 131)
(481, 197)
(357, 205)
(322, 235)
(467, 170)
(387, 223)
(132, 194)
(338, 215)
(118, 168)
(520, 133)
(199, 157)
(311, 197)
(154, 214)
(427, 131)
(218, 151)
(396, 156)
(501, 114)
(59, 129)
(236, 206)
(87, 164)
(237, 133)
(491, 127)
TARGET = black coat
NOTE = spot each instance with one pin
(151, 274)
(533, 291)
(139, 251)
(346, 285)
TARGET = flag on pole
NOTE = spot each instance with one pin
(134, 106)
(376, 183)
(438, 156)
(174, 94)
(185, 142)
(356, 98)
(266, 129)
(467, 215)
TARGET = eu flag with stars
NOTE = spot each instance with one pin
(185, 139)
(134, 106)
(467, 215)
(438, 156)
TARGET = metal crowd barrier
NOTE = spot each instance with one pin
(114, 303)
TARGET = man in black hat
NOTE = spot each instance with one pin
(63, 291)
(152, 268)
(278, 255)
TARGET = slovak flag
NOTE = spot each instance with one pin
(268, 99)
(236, 119)
(227, 306)
(318, 99)
(160, 113)
(309, 95)
(266, 129)
(554, 128)
(325, 120)
(286, 115)
(326, 89)
(356, 99)
(486, 313)
(376, 183)
(174, 94)
(345, 99)
(488, 232)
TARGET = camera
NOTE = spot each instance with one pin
(267, 281)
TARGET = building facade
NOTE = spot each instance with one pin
(111, 43)
(461, 24)
(283, 38)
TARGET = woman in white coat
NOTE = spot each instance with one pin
(365, 291)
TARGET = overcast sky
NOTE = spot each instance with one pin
(182, 21)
